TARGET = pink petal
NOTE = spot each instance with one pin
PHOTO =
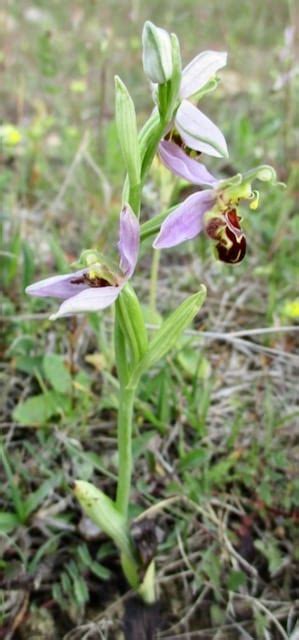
(57, 286)
(92, 299)
(186, 221)
(128, 245)
(182, 165)
(200, 70)
(199, 132)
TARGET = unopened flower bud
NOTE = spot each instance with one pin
(157, 53)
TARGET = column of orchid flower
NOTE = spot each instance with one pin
(178, 130)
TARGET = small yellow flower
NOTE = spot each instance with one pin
(291, 309)
(78, 86)
(10, 136)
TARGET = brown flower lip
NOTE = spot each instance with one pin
(230, 239)
(236, 252)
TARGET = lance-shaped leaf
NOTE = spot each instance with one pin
(132, 323)
(103, 512)
(169, 333)
(127, 131)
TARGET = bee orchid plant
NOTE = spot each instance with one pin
(177, 131)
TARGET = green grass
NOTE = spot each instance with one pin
(217, 422)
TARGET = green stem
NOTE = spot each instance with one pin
(154, 280)
(124, 434)
(135, 199)
(120, 351)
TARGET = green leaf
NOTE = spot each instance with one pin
(100, 571)
(169, 333)
(131, 320)
(271, 551)
(194, 459)
(38, 496)
(34, 411)
(127, 131)
(14, 489)
(29, 364)
(57, 373)
(140, 444)
(28, 264)
(8, 521)
(194, 364)
(102, 510)
(37, 410)
(236, 579)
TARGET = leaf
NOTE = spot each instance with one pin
(29, 364)
(125, 118)
(271, 551)
(169, 333)
(193, 363)
(236, 579)
(34, 411)
(14, 489)
(194, 459)
(38, 496)
(100, 571)
(37, 410)
(140, 444)
(8, 521)
(57, 373)
(28, 264)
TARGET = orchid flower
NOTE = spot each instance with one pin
(213, 210)
(94, 287)
(196, 130)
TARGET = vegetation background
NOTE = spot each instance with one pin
(217, 424)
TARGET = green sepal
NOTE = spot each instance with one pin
(169, 333)
(175, 82)
(126, 124)
(168, 94)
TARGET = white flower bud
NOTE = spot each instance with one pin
(157, 53)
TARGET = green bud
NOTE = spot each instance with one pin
(157, 53)
(169, 333)
(127, 131)
(239, 187)
(264, 172)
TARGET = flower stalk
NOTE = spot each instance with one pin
(124, 437)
